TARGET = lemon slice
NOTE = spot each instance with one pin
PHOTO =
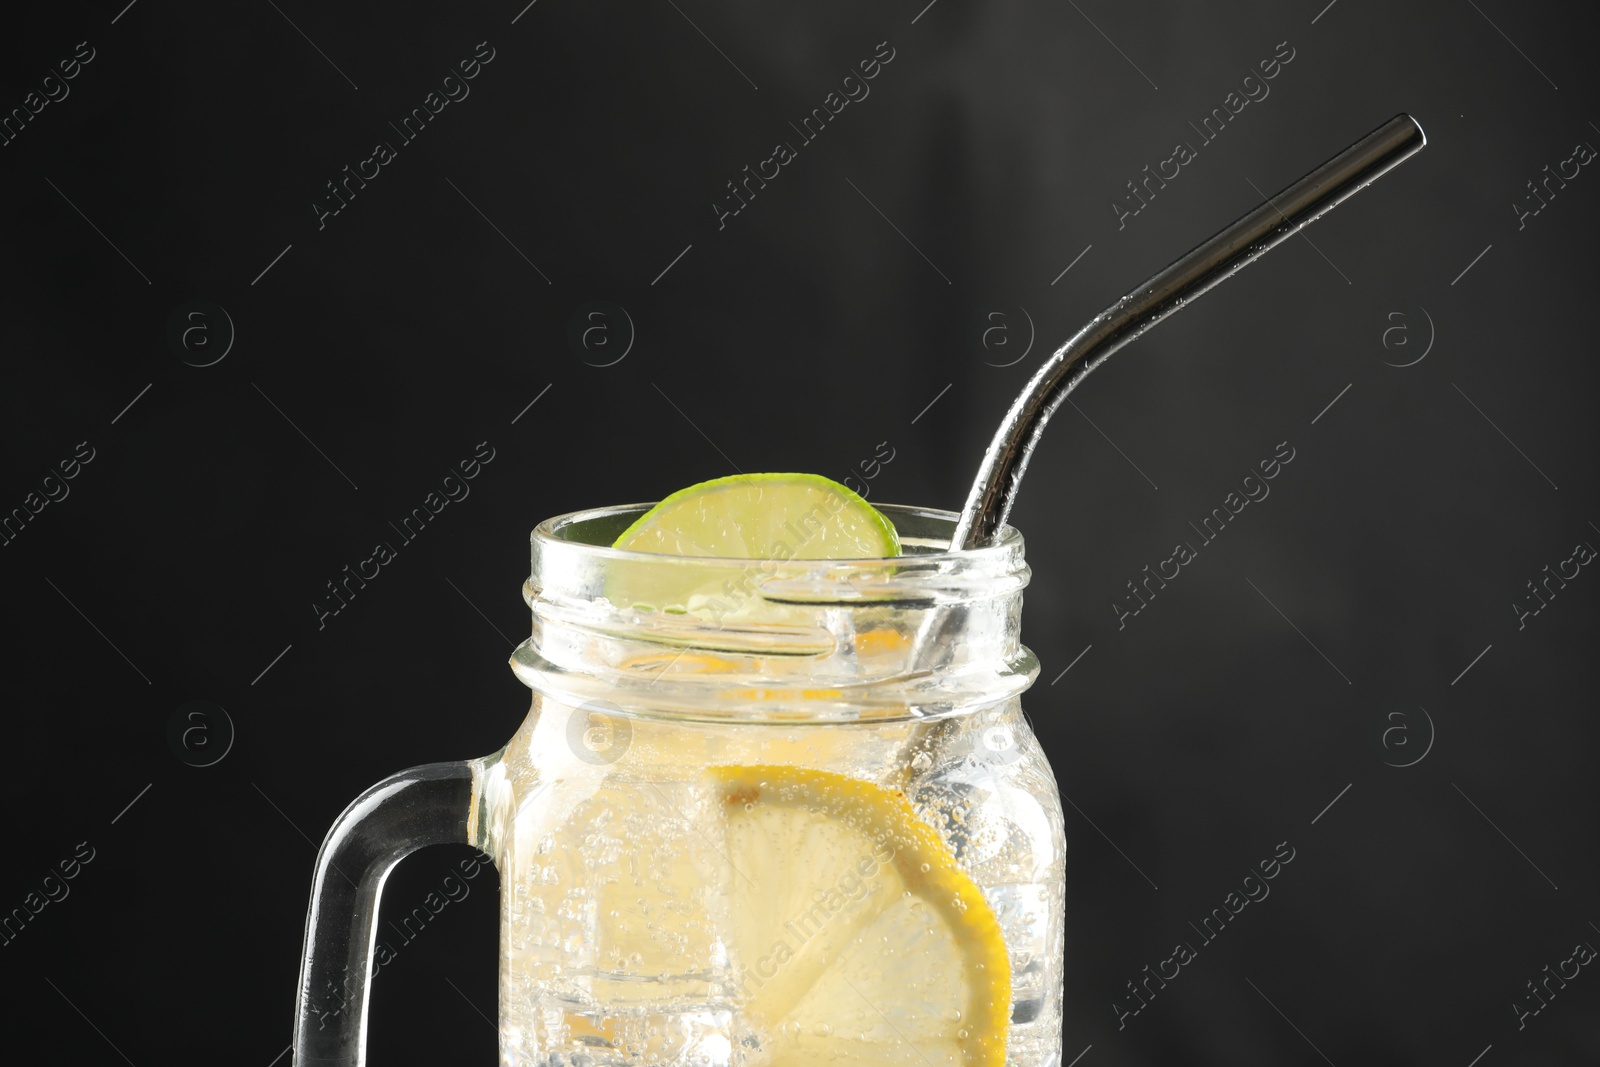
(854, 936)
(765, 517)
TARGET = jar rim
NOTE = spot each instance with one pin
(917, 526)
(926, 633)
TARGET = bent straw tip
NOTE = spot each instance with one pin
(1408, 118)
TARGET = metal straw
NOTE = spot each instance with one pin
(1209, 263)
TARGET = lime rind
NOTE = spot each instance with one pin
(865, 523)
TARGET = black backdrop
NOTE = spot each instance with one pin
(888, 289)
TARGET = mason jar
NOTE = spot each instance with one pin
(761, 812)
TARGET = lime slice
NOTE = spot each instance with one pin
(766, 517)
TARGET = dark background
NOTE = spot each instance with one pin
(1359, 618)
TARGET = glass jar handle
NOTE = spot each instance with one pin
(427, 805)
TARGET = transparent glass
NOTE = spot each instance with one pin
(603, 814)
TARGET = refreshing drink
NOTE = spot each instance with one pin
(673, 926)
(767, 845)
(774, 804)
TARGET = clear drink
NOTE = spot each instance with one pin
(761, 813)
(620, 944)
